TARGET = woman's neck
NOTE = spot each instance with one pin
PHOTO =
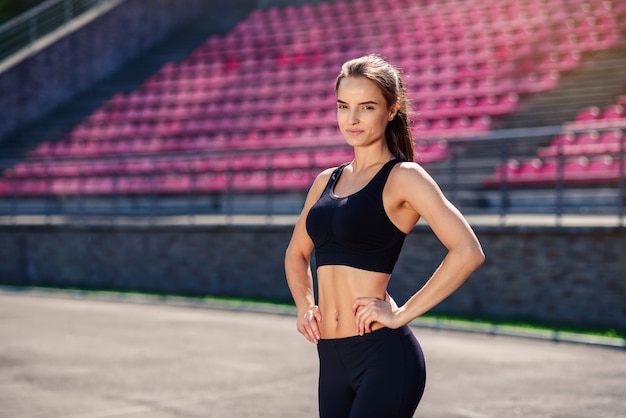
(366, 159)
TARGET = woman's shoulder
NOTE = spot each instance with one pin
(325, 174)
(407, 173)
(322, 179)
(409, 168)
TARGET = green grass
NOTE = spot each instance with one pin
(529, 324)
(456, 321)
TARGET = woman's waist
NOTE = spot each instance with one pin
(344, 327)
(339, 317)
(338, 289)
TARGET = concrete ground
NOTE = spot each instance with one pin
(84, 358)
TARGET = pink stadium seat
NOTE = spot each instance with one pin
(254, 181)
(429, 152)
(507, 103)
(506, 172)
(248, 162)
(590, 41)
(439, 125)
(562, 143)
(292, 180)
(21, 169)
(31, 187)
(331, 158)
(65, 168)
(480, 124)
(460, 124)
(591, 113)
(65, 186)
(529, 171)
(537, 82)
(549, 172)
(588, 142)
(291, 160)
(575, 170)
(612, 141)
(603, 168)
(493, 85)
(486, 105)
(130, 185)
(614, 111)
(556, 61)
(98, 186)
(210, 182)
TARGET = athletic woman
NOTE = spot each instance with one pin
(356, 217)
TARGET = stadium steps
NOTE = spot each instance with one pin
(595, 83)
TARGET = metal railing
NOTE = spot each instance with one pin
(467, 176)
(24, 30)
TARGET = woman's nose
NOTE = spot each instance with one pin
(353, 117)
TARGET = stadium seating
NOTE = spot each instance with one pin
(259, 100)
(589, 150)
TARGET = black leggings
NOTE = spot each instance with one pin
(378, 375)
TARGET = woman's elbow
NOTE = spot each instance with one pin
(471, 255)
(293, 255)
(476, 256)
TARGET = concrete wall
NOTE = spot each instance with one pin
(567, 275)
(52, 76)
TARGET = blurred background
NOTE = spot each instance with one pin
(167, 146)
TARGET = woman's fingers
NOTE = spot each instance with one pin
(361, 302)
(307, 324)
(366, 312)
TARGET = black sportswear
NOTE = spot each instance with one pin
(355, 230)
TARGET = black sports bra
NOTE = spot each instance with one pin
(355, 230)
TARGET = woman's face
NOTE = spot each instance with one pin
(362, 112)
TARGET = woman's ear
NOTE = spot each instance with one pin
(393, 110)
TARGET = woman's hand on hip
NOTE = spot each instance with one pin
(307, 324)
(369, 310)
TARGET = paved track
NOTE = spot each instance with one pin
(69, 358)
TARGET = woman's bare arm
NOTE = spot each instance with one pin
(421, 194)
(298, 268)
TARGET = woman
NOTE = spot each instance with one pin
(356, 217)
